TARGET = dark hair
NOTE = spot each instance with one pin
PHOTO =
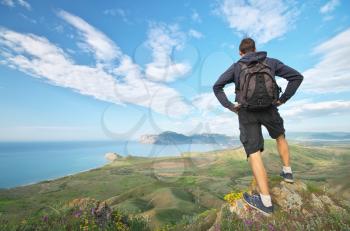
(247, 45)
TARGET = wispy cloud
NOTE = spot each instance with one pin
(196, 17)
(206, 102)
(329, 6)
(25, 17)
(260, 19)
(304, 108)
(195, 34)
(13, 3)
(38, 57)
(117, 12)
(331, 73)
(120, 84)
(163, 39)
(98, 43)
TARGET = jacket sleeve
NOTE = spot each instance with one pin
(218, 88)
(293, 77)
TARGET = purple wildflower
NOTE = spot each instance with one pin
(45, 218)
(271, 227)
(92, 211)
(77, 213)
(248, 222)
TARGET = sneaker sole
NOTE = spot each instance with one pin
(289, 180)
(263, 212)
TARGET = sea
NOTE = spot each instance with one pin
(23, 163)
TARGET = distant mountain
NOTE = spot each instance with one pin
(170, 137)
(327, 136)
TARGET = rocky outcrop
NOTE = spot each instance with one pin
(112, 156)
(99, 210)
(297, 207)
(290, 198)
(148, 139)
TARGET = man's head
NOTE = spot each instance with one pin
(247, 45)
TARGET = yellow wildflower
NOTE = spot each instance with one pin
(232, 197)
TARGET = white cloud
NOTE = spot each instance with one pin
(59, 28)
(332, 72)
(206, 101)
(38, 57)
(196, 17)
(139, 90)
(98, 43)
(13, 3)
(329, 6)
(223, 123)
(24, 4)
(124, 83)
(260, 19)
(195, 34)
(9, 3)
(163, 40)
(305, 108)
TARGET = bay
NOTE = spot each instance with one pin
(23, 163)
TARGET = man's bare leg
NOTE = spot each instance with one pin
(259, 172)
(283, 150)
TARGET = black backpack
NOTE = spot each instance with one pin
(257, 88)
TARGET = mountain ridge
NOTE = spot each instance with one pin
(170, 137)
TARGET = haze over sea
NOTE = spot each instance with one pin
(23, 163)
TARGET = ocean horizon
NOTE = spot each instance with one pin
(23, 163)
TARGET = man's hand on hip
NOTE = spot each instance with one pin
(234, 108)
(278, 103)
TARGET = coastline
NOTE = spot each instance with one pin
(54, 178)
(108, 162)
(24, 164)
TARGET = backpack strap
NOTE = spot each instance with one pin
(273, 78)
(265, 63)
(243, 66)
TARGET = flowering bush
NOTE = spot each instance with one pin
(232, 197)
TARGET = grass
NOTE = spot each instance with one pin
(286, 221)
(180, 189)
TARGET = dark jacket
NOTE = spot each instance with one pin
(231, 75)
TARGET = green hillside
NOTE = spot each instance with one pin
(177, 190)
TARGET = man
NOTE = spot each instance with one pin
(250, 121)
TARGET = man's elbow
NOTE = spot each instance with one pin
(216, 88)
(301, 77)
(297, 78)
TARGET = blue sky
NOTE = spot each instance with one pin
(119, 69)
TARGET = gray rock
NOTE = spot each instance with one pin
(287, 196)
(330, 203)
(316, 202)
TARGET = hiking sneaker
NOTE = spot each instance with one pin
(255, 202)
(288, 177)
